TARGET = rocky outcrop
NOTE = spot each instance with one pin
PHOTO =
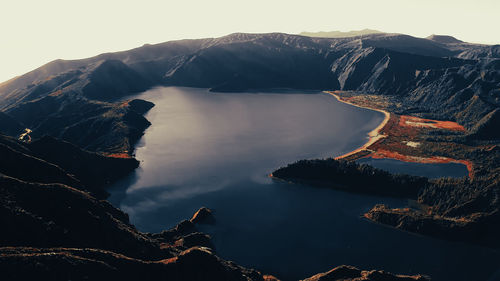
(350, 273)
(479, 228)
(203, 216)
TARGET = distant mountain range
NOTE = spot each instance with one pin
(340, 34)
(438, 77)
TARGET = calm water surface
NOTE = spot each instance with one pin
(452, 170)
(215, 150)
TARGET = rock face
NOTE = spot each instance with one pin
(350, 273)
(203, 216)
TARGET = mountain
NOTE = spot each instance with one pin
(84, 102)
(81, 126)
(446, 39)
(340, 34)
(462, 78)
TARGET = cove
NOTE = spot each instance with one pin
(216, 150)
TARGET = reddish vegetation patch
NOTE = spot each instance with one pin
(170, 260)
(394, 128)
(118, 155)
(391, 140)
(124, 104)
(411, 121)
(56, 93)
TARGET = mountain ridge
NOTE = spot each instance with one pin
(340, 34)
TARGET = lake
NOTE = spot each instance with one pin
(216, 150)
(450, 170)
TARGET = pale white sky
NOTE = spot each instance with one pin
(34, 32)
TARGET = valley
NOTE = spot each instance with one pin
(440, 98)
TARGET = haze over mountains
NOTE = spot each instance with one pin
(340, 34)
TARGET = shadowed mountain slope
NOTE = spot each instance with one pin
(461, 77)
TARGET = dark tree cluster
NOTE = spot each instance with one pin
(353, 177)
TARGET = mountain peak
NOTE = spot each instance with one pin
(444, 39)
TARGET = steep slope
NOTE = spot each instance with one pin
(50, 160)
(9, 125)
(90, 124)
(408, 44)
(262, 63)
(94, 170)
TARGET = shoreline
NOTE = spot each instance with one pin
(374, 135)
